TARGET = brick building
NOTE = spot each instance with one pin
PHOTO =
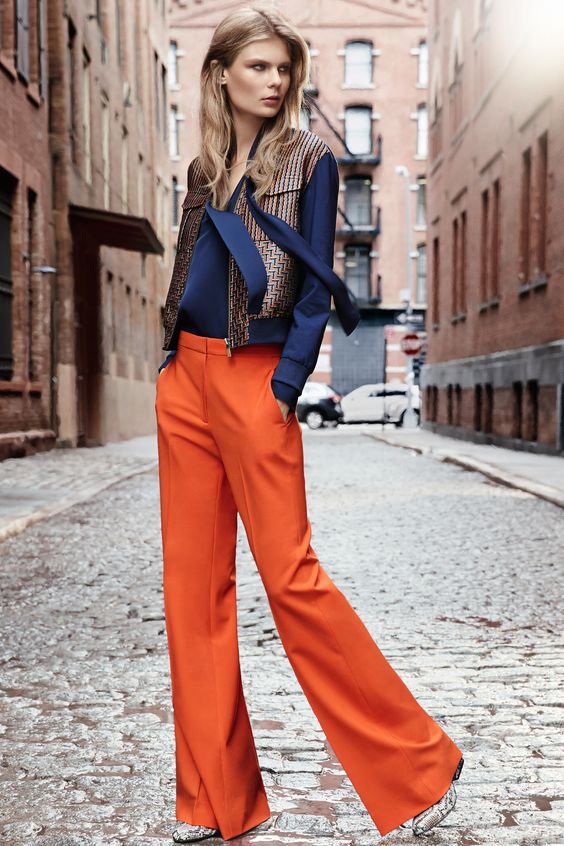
(87, 135)
(110, 205)
(368, 101)
(495, 363)
(25, 241)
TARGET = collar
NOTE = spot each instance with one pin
(238, 241)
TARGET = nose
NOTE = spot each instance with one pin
(275, 78)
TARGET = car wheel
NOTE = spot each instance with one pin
(314, 419)
(400, 421)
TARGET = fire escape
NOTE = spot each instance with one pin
(353, 232)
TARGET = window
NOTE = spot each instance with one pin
(173, 145)
(478, 408)
(164, 105)
(358, 63)
(422, 130)
(463, 256)
(489, 243)
(106, 150)
(173, 64)
(456, 92)
(357, 269)
(421, 290)
(72, 74)
(118, 32)
(436, 280)
(124, 168)
(7, 190)
(86, 134)
(358, 129)
(459, 264)
(174, 201)
(140, 185)
(517, 409)
(421, 212)
(496, 229)
(31, 311)
(542, 194)
(22, 38)
(455, 276)
(358, 200)
(41, 48)
(484, 232)
(525, 227)
(532, 432)
(488, 410)
(157, 90)
(158, 209)
(457, 404)
(423, 64)
(434, 403)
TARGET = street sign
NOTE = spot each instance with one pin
(410, 344)
(413, 318)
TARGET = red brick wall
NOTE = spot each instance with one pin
(24, 154)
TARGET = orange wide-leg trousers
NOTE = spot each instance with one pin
(224, 448)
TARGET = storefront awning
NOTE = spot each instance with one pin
(112, 229)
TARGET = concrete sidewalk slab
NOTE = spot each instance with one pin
(539, 475)
(38, 486)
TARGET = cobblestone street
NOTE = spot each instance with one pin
(458, 579)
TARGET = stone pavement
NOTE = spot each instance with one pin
(458, 579)
(541, 475)
(42, 485)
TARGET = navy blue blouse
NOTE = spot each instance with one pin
(203, 308)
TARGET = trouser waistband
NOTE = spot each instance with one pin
(217, 346)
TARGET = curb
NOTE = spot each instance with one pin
(14, 527)
(502, 477)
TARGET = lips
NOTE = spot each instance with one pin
(271, 99)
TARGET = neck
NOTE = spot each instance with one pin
(246, 131)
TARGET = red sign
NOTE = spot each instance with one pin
(411, 344)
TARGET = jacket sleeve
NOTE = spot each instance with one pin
(318, 208)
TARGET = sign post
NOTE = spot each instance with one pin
(410, 346)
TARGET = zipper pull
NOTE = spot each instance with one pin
(228, 347)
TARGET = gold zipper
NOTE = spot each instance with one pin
(228, 340)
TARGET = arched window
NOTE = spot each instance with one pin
(358, 200)
(358, 63)
(357, 269)
(423, 64)
(358, 129)
(421, 290)
(422, 130)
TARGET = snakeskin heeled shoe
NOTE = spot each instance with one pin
(187, 833)
(428, 819)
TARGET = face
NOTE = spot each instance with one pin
(260, 70)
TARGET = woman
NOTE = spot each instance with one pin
(248, 303)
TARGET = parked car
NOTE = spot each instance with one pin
(318, 404)
(379, 403)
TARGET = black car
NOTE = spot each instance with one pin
(318, 404)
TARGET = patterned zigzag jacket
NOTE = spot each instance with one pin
(274, 272)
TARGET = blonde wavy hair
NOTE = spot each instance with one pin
(217, 133)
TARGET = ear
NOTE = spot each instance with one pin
(213, 64)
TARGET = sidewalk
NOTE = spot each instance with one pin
(540, 475)
(46, 483)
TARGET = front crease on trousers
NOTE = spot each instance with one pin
(224, 450)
